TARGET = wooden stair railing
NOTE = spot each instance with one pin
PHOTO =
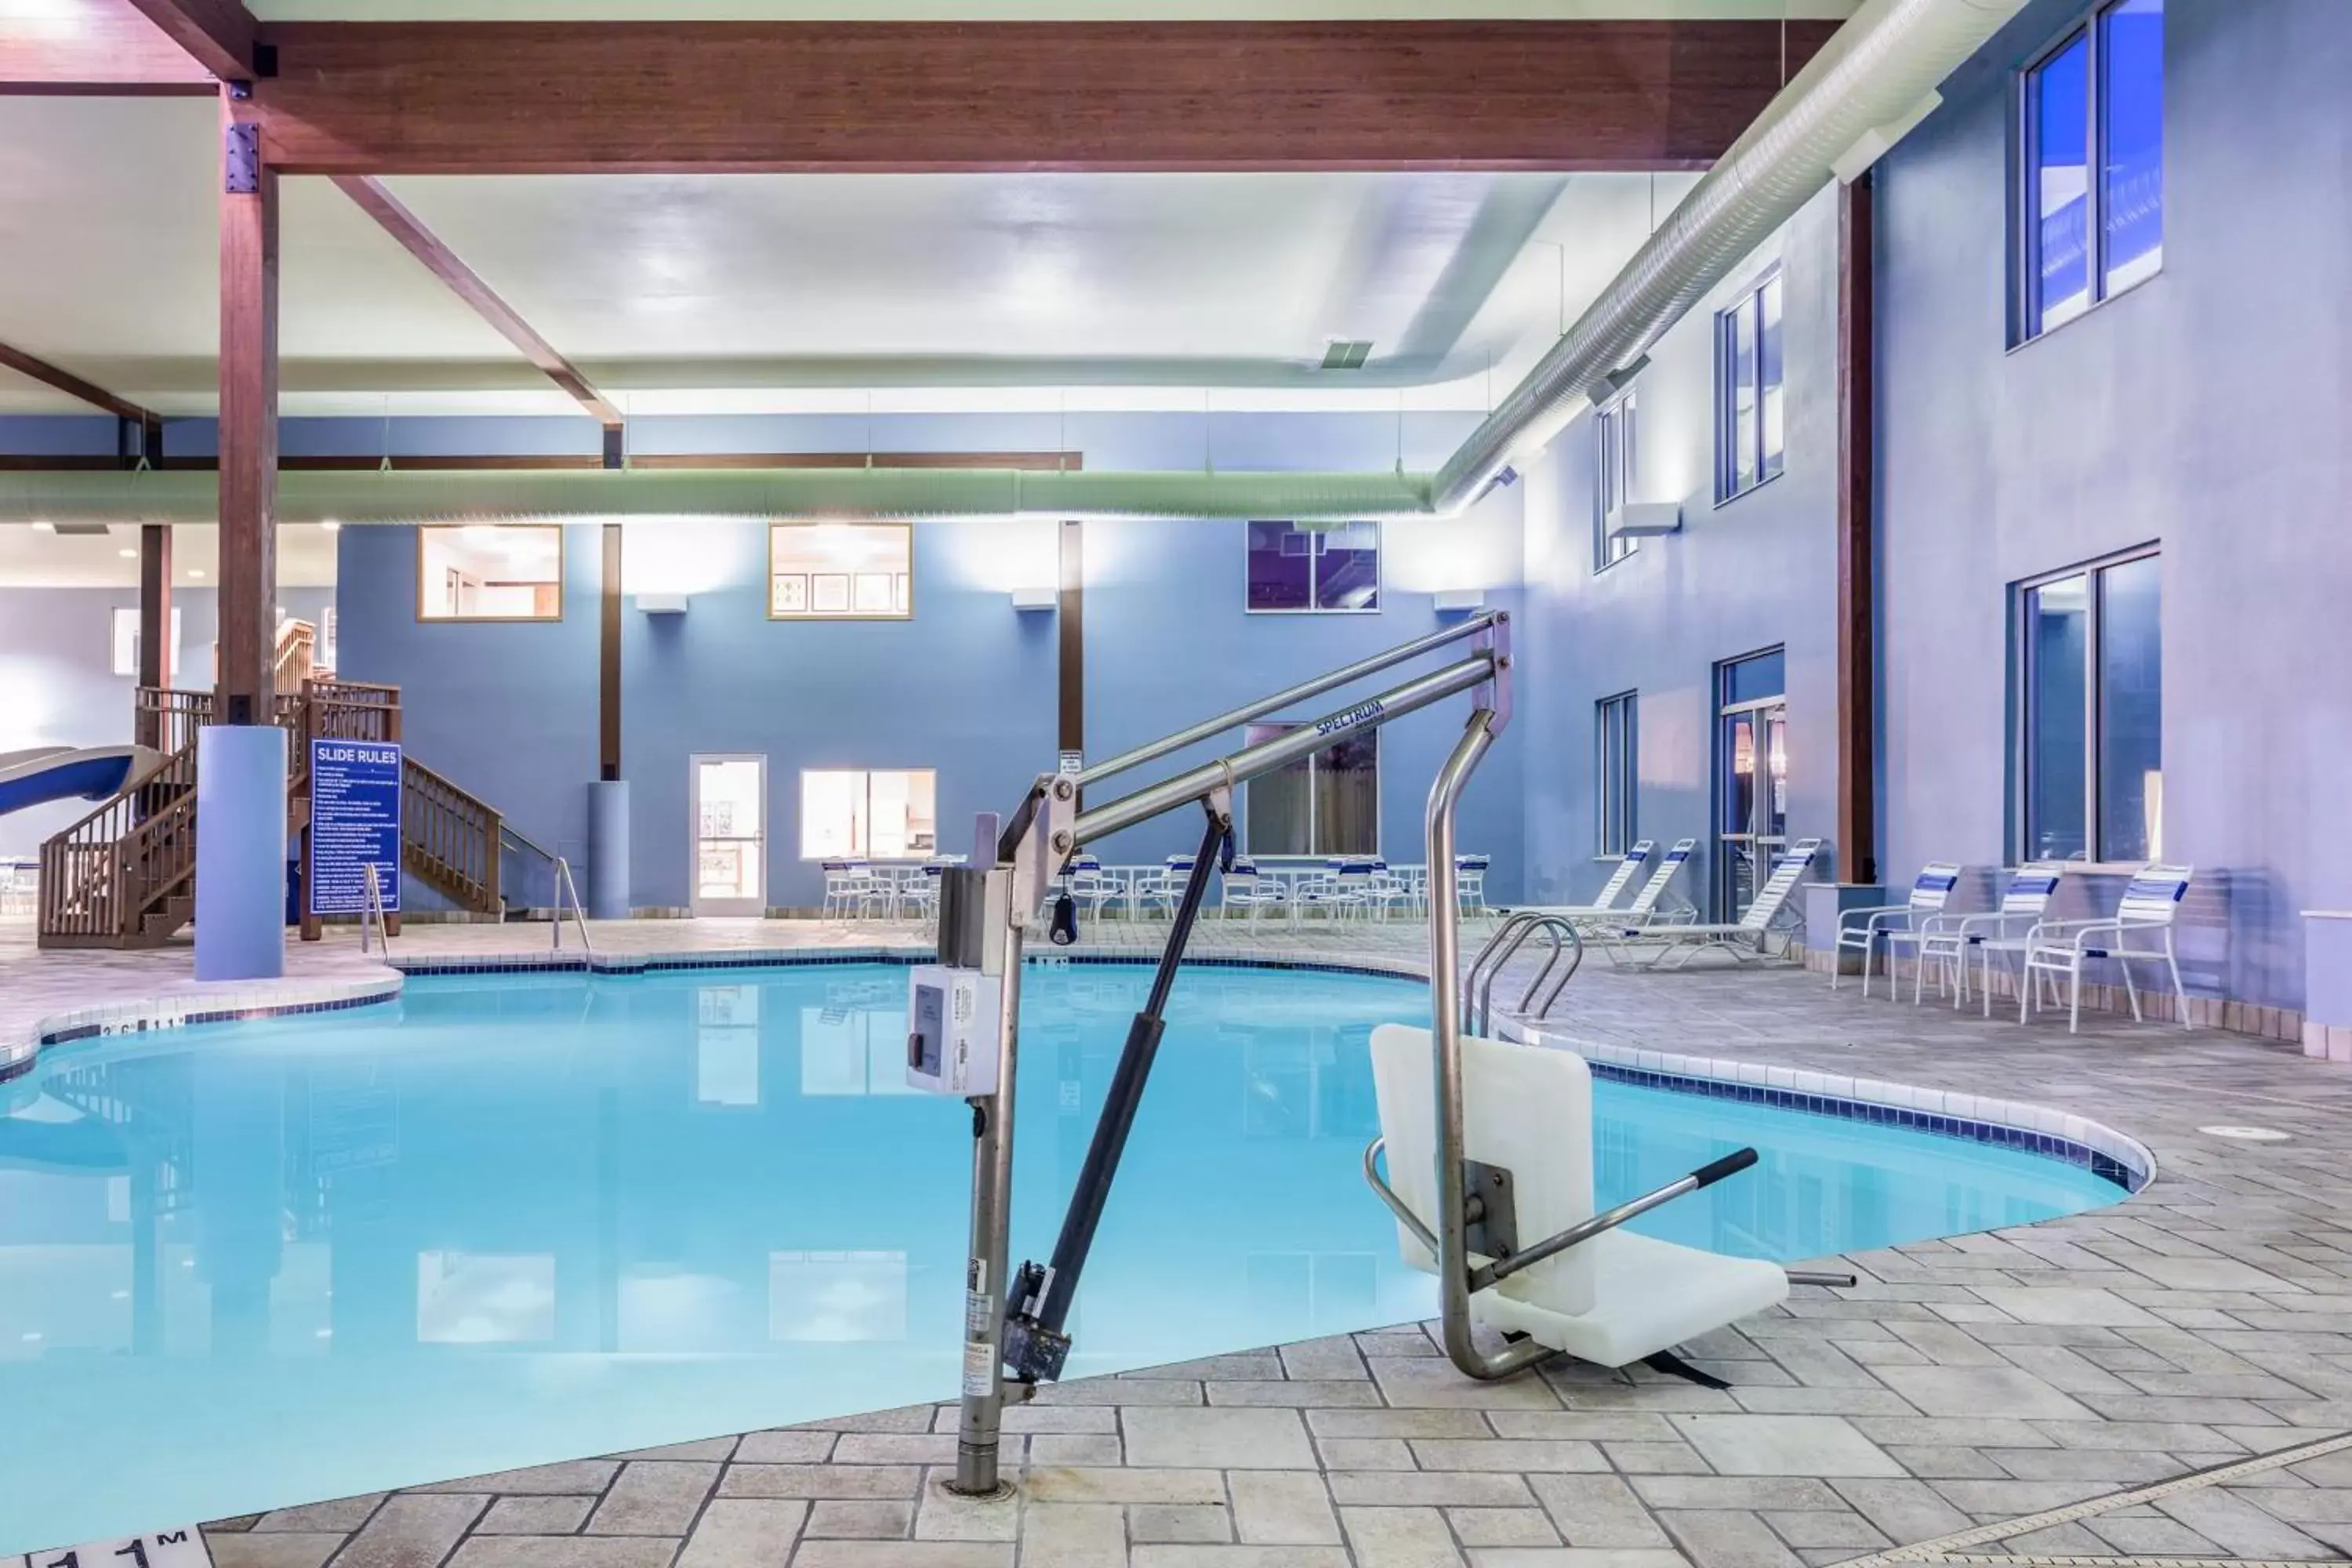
(292, 665)
(124, 875)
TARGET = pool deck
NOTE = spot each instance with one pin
(1986, 1380)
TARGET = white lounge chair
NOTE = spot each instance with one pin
(1895, 925)
(1244, 890)
(2139, 932)
(1649, 905)
(1945, 940)
(1612, 1298)
(1748, 938)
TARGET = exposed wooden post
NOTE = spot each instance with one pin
(1857, 645)
(150, 727)
(248, 419)
(608, 706)
(1072, 649)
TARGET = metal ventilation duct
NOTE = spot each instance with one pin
(1868, 83)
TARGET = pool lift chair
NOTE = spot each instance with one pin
(965, 1010)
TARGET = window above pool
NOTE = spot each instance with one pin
(841, 572)
(2089, 220)
(491, 571)
(1749, 396)
(1304, 568)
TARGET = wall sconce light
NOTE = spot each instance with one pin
(661, 603)
(1027, 599)
(1645, 520)
(1459, 601)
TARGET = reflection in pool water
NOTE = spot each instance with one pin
(516, 1218)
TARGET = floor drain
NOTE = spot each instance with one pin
(2249, 1134)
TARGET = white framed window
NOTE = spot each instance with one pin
(1750, 400)
(841, 572)
(1616, 771)
(2089, 220)
(869, 814)
(122, 640)
(1327, 803)
(491, 571)
(2087, 666)
(1614, 428)
(1297, 568)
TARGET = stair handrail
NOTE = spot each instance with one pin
(563, 884)
(1496, 955)
(373, 909)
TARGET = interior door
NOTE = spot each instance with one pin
(730, 834)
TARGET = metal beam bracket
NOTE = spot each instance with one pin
(241, 165)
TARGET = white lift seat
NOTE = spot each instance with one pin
(1613, 1300)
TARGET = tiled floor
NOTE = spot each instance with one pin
(1990, 1378)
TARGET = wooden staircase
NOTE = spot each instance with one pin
(124, 876)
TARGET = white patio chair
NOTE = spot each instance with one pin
(1945, 942)
(1613, 1298)
(1160, 892)
(850, 891)
(1091, 888)
(1745, 939)
(1893, 925)
(2139, 932)
(1247, 891)
(1470, 882)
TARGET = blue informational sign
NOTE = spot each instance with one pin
(354, 823)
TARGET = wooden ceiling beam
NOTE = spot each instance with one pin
(219, 34)
(564, 98)
(445, 264)
(61, 380)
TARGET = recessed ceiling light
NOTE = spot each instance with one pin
(196, 570)
(128, 554)
(331, 526)
(46, 527)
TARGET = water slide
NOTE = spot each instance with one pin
(65, 772)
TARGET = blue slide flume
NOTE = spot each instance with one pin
(66, 772)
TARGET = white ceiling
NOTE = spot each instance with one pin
(745, 293)
(1030, 10)
(34, 558)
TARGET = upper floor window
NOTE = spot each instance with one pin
(1616, 777)
(491, 571)
(1612, 478)
(1301, 566)
(2096, 97)
(840, 571)
(2089, 673)
(123, 629)
(1749, 401)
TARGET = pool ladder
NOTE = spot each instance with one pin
(1535, 1000)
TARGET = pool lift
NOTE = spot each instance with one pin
(965, 1011)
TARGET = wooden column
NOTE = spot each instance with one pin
(155, 624)
(1072, 651)
(1857, 618)
(248, 418)
(608, 718)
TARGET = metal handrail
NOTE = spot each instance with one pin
(1496, 955)
(563, 884)
(524, 842)
(374, 907)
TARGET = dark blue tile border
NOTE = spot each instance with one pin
(210, 1016)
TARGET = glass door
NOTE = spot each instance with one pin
(1751, 789)
(730, 834)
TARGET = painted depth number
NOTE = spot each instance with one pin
(163, 1549)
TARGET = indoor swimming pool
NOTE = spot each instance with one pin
(513, 1218)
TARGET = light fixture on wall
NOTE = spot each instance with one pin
(1644, 519)
(661, 603)
(1459, 601)
(1028, 599)
(331, 526)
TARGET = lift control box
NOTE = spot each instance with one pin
(951, 1021)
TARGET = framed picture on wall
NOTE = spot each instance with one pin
(874, 594)
(829, 593)
(789, 594)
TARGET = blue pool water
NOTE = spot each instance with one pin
(516, 1218)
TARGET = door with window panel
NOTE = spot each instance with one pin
(730, 835)
(1751, 792)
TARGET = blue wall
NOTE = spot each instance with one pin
(1756, 571)
(2205, 410)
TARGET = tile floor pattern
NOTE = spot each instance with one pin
(1986, 1378)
